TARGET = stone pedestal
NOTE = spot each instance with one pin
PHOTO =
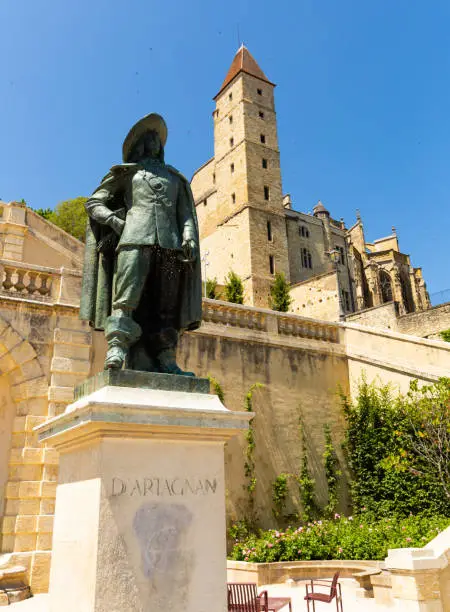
(140, 503)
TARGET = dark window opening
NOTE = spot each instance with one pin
(233, 198)
(346, 300)
(214, 178)
(259, 92)
(271, 264)
(269, 231)
(266, 192)
(386, 286)
(231, 142)
(264, 163)
(232, 167)
(303, 231)
(205, 202)
(230, 96)
(261, 115)
(341, 254)
(262, 138)
(230, 118)
(306, 258)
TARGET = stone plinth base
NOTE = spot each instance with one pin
(140, 503)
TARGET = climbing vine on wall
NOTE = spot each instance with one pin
(217, 388)
(249, 465)
(332, 471)
(305, 482)
(279, 495)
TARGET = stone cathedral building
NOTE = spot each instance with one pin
(249, 226)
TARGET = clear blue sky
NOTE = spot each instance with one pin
(362, 99)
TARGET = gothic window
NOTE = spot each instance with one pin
(306, 258)
(386, 286)
(303, 231)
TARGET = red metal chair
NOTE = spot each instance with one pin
(335, 593)
(243, 597)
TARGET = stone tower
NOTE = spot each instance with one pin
(238, 193)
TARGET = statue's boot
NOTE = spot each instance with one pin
(165, 344)
(168, 364)
(120, 333)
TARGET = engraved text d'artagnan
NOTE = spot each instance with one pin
(162, 487)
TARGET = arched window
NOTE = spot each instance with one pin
(306, 258)
(386, 286)
(303, 231)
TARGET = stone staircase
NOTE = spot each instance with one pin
(13, 582)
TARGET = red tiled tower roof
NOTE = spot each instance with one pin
(243, 62)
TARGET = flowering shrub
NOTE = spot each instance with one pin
(358, 537)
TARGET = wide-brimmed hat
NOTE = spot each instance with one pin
(146, 124)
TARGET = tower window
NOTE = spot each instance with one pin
(230, 97)
(205, 202)
(231, 141)
(262, 138)
(214, 178)
(232, 167)
(264, 163)
(261, 115)
(271, 264)
(233, 198)
(306, 258)
(230, 118)
(303, 231)
(266, 192)
(259, 92)
(269, 231)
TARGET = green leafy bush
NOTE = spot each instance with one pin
(280, 297)
(357, 537)
(211, 288)
(234, 288)
(398, 449)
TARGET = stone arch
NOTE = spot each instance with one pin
(24, 486)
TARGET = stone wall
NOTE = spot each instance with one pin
(428, 323)
(384, 316)
(316, 297)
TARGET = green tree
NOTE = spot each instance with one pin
(211, 288)
(280, 298)
(234, 288)
(45, 212)
(332, 471)
(71, 216)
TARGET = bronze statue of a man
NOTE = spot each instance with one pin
(142, 279)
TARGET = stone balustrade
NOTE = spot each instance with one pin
(268, 321)
(39, 283)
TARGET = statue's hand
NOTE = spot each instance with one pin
(190, 249)
(116, 224)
